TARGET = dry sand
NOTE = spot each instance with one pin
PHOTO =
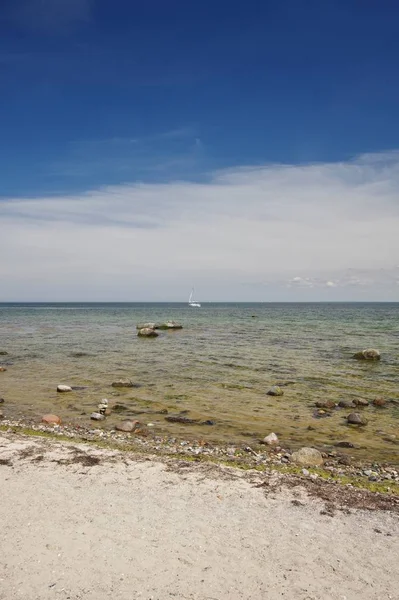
(78, 522)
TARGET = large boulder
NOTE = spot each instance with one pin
(307, 457)
(368, 354)
(147, 332)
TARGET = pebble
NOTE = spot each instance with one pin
(306, 472)
(64, 388)
(275, 390)
(356, 419)
(51, 420)
(95, 416)
(271, 439)
(369, 354)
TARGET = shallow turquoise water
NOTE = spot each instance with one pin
(218, 367)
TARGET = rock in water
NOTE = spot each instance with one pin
(307, 457)
(95, 416)
(51, 420)
(326, 404)
(127, 383)
(369, 354)
(271, 439)
(64, 388)
(146, 326)
(1, 400)
(356, 419)
(275, 391)
(1, 414)
(361, 402)
(169, 325)
(127, 426)
(147, 332)
(2, 369)
(3, 353)
(346, 404)
(380, 402)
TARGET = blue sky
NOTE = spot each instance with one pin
(103, 98)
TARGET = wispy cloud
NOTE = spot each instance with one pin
(319, 231)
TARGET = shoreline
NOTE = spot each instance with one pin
(340, 470)
(85, 521)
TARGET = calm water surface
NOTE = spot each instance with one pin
(218, 367)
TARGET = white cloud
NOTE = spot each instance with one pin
(264, 233)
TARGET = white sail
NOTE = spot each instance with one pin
(192, 302)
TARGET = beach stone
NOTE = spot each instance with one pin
(95, 416)
(169, 325)
(51, 420)
(181, 419)
(2, 369)
(127, 426)
(146, 326)
(2, 400)
(379, 402)
(1, 414)
(64, 388)
(275, 390)
(147, 332)
(368, 354)
(271, 439)
(123, 383)
(356, 419)
(307, 457)
(3, 353)
(326, 404)
(361, 402)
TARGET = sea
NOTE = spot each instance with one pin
(217, 370)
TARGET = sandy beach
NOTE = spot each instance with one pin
(80, 522)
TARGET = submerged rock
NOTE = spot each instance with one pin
(123, 383)
(368, 354)
(275, 390)
(326, 404)
(271, 439)
(181, 419)
(356, 419)
(344, 445)
(379, 402)
(361, 402)
(2, 369)
(3, 353)
(95, 416)
(147, 332)
(346, 404)
(1, 414)
(127, 426)
(64, 388)
(307, 457)
(51, 420)
(1, 400)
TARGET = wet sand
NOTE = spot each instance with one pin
(79, 522)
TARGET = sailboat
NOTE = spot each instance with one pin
(192, 302)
